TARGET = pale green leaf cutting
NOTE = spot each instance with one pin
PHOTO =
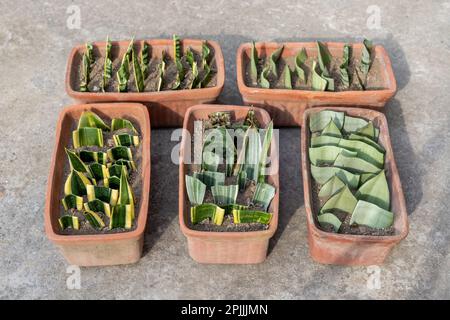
(343, 68)
(354, 136)
(318, 83)
(364, 150)
(323, 155)
(351, 124)
(331, 130)
(265, 151)
(366, 177)
(366, 57)
(349, 161)
(89, 119)
(253, 65)
(287, 77)
(251, 216)
(333, 185)
(324, 57)
(207, 211)
(264, 194)
(273, 59)
(300, 59)
(87, 137)
(264, 81)
(224, 195)
(371, 215)
(329, 218)
(319, 120)
(253, 154)
(210, 178)
(369, 131)
(117, 124)
(376, 191)
(344, 200)
(322, 174)
(320, 141)
(210, 161)
(195, 190)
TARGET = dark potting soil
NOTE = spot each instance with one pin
(135, 180)
(152, 78)
(374, 80)
(344, 217)
(244, 197)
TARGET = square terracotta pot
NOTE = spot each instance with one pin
(97, 249)
(287, 106)
(167, 108)
(347, 249)
(225, 247)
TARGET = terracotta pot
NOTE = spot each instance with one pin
(347, 249)
(287, 106)
(167, 108)
(225, 247)
(97, 249)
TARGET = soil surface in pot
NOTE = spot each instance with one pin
(135, 181)
(244, 196)
(152, 79)
(374, 78)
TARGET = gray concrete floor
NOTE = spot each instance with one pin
(34, 45)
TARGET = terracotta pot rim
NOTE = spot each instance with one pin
(142, 217)
(294, 94)
(402, 214)
(166, 94)
(233, 235)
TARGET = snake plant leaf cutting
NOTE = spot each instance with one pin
(264, 194)
(210, 161)
(230, 207)
(264, 77)
(93, 156)
(329, 189)
(274, 57)
(224, 195)
(72, 201)
(376, 191)
(76, 184)
(264, 152)
(366, 60)
(300, 60)
(320, 120)
(343, 201)
(322, 174)
(85, 137)
(207, 211)
(369, 214)
(94, 219)
(251, 216)
(331, 130)
(177, 58)
(329, 218)
(343, 68)
(287, 77)
(97, 191)
(85, 71)
(107, 67)
(138, 74)
(118, 153)
(324, 58)
(195, 190)
(123, 74)
(318, 82)
(161, 70)
(97, 205)
(145, 59)
(69, 222)
(253, 154)
(126, 140)
(89, 119)
(349, 171)
(117, 124)
(211, 178)
(104, 194)
(121, 217)
(253, 64)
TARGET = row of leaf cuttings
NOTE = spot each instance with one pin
(201, 72)
(321, 76)
(348, 163)
(100, 177)
(247, 165)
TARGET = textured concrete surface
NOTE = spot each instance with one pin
(34, 45)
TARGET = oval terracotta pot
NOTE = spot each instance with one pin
(225, 247)
(97, 249)
(347, 249)
(167, 108)
(287, 106)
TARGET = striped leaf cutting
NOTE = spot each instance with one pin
(121, 217)
(120, 153)
(99, 172)
(89, 119)
(72, 201)
(85, 137)
(207, 211)
(117, 124)
(76, 184)
(145, 59)
(210, 178)
(123, 74)
(138, 75)
(97, 205)
(264, 152)
(77, 164)
(251, 216)
(125, 192)
(107, 68)
(69, 222)
(94, 219)
(116, 170)
(224, 195)
(195, 190)
(129, 164)
(126, 140)
(264, 194)
(93, 156)
(102, 193)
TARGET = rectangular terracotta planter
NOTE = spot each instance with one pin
(97, 249)
(225, 247)
(347, 249)
(167, 108)
(287, 106)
